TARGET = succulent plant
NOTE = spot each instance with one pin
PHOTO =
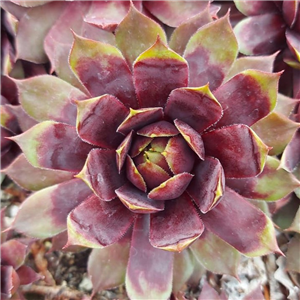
(276, 27)
(150, 142)
(13, 270)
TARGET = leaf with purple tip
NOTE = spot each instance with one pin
(13, 253)
(271, 28)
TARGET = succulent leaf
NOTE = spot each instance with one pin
(209, 61)
(242, 155)
(107, 266)
(255, 240)
(173, 14)
(34, 179)
(162, 69)
(96, 223)
(98, 119)
(101, 174)
(137, 201)
(186, 29)
(150, 271)
(216, 255)
(197, 107)
(51, 207)
(271, 184)
(271, 28)
(99, 67)
(47, 97)
(208, 185)
(13, 253)
(30, 38)
(276, 131)
(136, 33)
(53, 145)
(247, 97)
(180, 222)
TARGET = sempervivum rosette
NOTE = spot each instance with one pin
(155, 138)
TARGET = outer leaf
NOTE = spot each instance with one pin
(98, 119)
(100, 173)
(292, 255)
(210, 61)
(150, 270)
(186, 29)
(34, 179)
(157, 72)
(10, 283)
(216, 255)
(173, 14)
(53, 145)
(295, 226)
(247, 97)
(177, 226)
(242, 154)
(261, 63)
(47, 97)
(96, 223)
(27, 275)
(290, 10)
(107, 15)
(271, 28)
(182, 269)
(197, 107)
(208, 292)
(285, 105)
(51, 207)
(29, 39)
(136, 33)
(13, 253)
(107, 266)
(270, 185)
(30, 3)
(293, 43)
(253, 8)
(25, 122)
(230, 220)
(100, 67)
(276, 131)
(8, 119)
